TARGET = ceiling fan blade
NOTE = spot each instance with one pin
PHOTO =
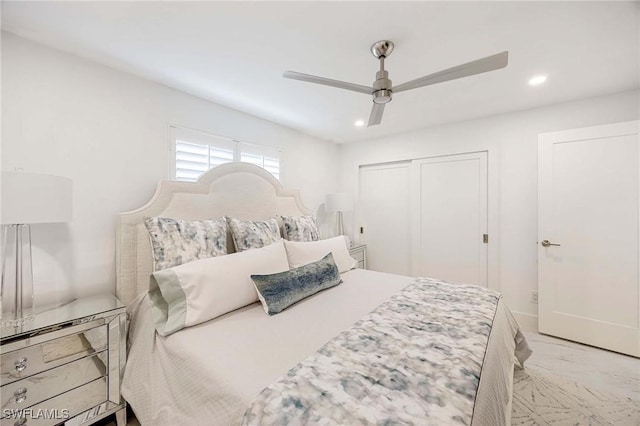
(376, 114)
(479, 66)
(328, 82)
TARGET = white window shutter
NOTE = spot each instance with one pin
(196, 152)
(191, 160)
(263, 156)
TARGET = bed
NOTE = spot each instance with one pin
(378, 348)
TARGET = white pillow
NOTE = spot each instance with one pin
(204, 289)
(303, 253)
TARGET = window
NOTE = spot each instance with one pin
(193, 159)
(196, 152)
(265, 157)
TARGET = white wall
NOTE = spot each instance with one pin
(512, 141)
(107, 130)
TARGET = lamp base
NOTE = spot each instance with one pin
(341, 229)
(340, 223)
(16, 295)
(19, 322)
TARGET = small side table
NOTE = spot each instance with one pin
(65, 366)
(359, 253)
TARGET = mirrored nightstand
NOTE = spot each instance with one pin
(359, 253)
(65, 366)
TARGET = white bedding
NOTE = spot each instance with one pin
(209, 373)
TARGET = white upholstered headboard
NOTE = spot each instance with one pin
(237, 190)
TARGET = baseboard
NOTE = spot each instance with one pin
(528, 322)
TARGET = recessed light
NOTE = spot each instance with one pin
(539, 79)
(359, 123)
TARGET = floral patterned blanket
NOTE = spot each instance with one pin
(415, 359)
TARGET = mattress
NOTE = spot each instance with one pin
(209, 374)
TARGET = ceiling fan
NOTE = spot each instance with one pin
(382, 89)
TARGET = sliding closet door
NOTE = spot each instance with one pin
(450, 218)
(588, 234)
(384, 217)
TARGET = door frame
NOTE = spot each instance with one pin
(546, 141)
(493, 222)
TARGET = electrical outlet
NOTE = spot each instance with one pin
(534, 297)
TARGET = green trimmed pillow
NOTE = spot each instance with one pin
(199, 291)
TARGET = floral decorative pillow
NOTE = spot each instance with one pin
(250, 234)
(300, 228)
(176, 241)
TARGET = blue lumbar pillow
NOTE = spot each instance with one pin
(280, 290)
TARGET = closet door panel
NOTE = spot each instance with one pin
(385, 217)
(450, 218)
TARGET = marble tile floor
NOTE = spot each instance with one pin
(593, 367)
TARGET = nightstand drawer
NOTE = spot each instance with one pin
(22, 363)
(62, 407)
(358, 255)
(32, 390)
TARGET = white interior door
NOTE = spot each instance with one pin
(589, 194)
(450, 217)
(385, 217)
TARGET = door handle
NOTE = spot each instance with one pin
(547, 243)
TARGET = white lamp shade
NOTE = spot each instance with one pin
(29, 198)
(339, 202)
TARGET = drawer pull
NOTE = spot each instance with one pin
(20, 395)
(20, 422)
(21, 364)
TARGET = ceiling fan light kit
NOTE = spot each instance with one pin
(383, 89)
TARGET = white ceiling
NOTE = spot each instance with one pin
(234, 53)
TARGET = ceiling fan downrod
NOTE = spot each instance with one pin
(382, 93)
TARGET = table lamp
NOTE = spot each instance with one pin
(339, 202)
(27, 198)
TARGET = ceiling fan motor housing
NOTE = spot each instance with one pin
(382, 88)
